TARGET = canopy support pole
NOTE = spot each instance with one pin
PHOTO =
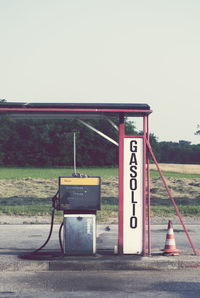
(173, 202)
(99, 132)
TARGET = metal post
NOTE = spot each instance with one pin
(121, 183)
(167, 188)
(74, 153)
(144, 185)
(148, 192)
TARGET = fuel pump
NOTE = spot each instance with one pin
(79, 199)
(78, 196)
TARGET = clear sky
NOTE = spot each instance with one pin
(140, 51)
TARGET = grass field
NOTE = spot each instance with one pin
(50, 173)
(41, 205)
(166, 211)
(169, 170)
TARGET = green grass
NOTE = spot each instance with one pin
(50, 173)
(28, 210)
(107, 212)
(109, 208)
(166, 211)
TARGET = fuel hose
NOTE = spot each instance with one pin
(37, 254)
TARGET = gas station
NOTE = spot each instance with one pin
(79, 196)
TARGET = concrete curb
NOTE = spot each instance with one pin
(11, 261)
(33, 266)
(125, 263)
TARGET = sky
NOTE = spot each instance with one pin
(118, 51)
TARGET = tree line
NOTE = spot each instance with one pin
(182, 152)
(50, 143)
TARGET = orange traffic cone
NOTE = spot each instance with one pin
(170, 245)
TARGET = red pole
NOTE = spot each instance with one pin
(148, 193)
(144, 185)
(121, 183)
(167, 188)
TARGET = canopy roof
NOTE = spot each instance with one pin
(21, 110)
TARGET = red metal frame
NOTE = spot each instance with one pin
(146, 174)
(167, 188)
(121, 182)
(148, 192)
(135, 136)
(75, 110)
(146, 144)
(144, 186)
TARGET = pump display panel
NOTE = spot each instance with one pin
(79, 193)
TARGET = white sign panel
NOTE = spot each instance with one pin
(133, 196)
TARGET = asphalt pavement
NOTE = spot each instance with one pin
(17, 241)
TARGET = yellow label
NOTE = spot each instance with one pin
(79, 181)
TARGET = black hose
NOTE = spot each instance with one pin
(50, 233)
(35, 254)
(60, 238)
(52, 221)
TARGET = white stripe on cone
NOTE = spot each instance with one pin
(170, 231)
(170, 242)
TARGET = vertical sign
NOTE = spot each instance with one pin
(133, 196)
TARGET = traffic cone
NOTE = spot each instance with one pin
(170, 245)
